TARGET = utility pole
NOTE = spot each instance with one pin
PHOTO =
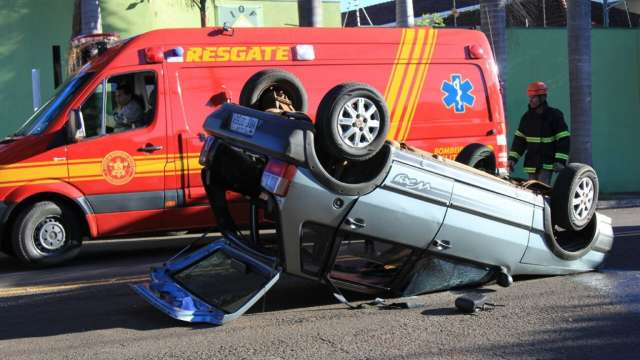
(493, 22)
(404, 13)
(579, 44)
(310, 13)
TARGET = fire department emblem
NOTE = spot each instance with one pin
(118, 167)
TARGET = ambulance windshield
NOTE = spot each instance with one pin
(40, 120)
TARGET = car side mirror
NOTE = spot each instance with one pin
(75, 126)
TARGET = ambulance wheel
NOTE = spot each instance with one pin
(478, 156)
(46, 233)
(271, 88)
(574, 197)
(353, 121)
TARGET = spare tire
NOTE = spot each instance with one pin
(478, 156)
(574, 197)
(353, 121)
(258, 92)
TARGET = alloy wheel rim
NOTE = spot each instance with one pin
(50, 235)
(582, 200)
(358, 122)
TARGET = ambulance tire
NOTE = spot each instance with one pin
(346, 140)
(258, 84)
(478, 156)
(574, 197)
(46, 233)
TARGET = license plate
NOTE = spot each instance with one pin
(243, 124)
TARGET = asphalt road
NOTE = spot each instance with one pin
(86, 310)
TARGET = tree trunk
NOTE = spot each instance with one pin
(493, 22)
(404, 13)
(310, 13)
(203, 13)
(90, 19)
(579, 44)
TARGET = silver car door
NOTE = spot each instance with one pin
(484, 226)
(407, 209)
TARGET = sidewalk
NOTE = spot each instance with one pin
(618, 200)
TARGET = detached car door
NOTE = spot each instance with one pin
(215, 284)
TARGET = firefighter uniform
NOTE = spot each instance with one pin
(545, 139)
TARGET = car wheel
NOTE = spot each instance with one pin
(478, 156)
(575, 196)
(46, 233)
(353, 120)
(274, 89)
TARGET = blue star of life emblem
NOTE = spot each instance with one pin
(457, 93)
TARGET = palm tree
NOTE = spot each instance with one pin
(86, 17)
(310, 13)
(404, 13)
(579, 44)
(493, 22)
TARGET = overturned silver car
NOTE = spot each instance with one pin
(399, 222)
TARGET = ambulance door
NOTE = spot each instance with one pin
(118, 160)
(200, 93)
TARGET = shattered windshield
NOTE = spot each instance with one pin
(40, 120)
(221, 281)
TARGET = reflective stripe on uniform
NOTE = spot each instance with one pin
(541, 139)
(514, 154)
(562, 156)
(529, 170)
(562, 134)
(547, 166)
(518, 133)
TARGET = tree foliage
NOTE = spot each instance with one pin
(435, 20)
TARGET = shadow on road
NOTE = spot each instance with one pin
(624, 244)
(117, 306)
(593, 336)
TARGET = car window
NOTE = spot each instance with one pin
(367, 261)
(222, 281)
(120, 103)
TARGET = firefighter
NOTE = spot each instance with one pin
(542, 135)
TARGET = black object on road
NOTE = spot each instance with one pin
(472, 303)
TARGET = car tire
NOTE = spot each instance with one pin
(478, 156)
(46, 233)
(256, 91)
(353, 121)
(574, 197)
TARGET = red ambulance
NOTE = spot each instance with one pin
(85, 166)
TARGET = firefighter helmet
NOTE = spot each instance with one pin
(537, 88)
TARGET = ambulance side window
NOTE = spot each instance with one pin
(130, 101)
(120, 103)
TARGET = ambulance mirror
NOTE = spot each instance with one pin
(224, 96)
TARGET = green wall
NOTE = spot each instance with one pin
(541, 54)
(133, 17)
(28, 30)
